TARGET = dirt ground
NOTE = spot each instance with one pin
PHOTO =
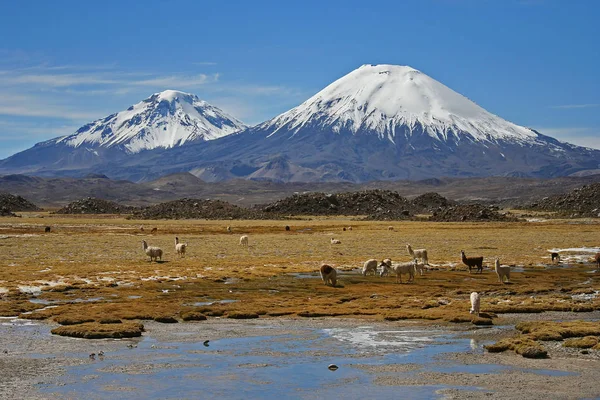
(90, 268)
(95, 267)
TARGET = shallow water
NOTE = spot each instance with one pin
(270, 366)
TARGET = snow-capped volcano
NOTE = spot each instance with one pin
(166, 119)
(384, 98)
(379, 122)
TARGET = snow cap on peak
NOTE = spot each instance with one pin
(170, 95)
(387, 98)
(166, 119)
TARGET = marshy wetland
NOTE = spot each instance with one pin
(89, 278)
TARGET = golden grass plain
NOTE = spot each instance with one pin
(93, 268)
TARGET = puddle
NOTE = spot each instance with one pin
(579, 255)
(585, 296)
(210, 303)
(266, 367)
(289, 363)
(305, 275)
(70, 301)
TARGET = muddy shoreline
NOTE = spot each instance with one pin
(37, 365)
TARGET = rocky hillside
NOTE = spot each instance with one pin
(349, 203)
(198, 209)
(581, 202)
(16, 203)
(471, 213)
(92, 205)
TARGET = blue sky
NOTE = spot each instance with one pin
(65, 63)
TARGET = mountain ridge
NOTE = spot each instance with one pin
(378, 122)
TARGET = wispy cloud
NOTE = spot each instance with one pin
(204, 63)
(581, 136)
(40, 100)
(571, 106)
(177, 80)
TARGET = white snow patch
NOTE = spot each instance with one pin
(164, 120)
(382, 98)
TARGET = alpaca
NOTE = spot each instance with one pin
(228, 229)
(475, 304)
(244, 240)
(472, 262)
(369, 266)
(390, 228)
(153, 252)
(385, 269)
(328, 274)
(597, 259)
(335, 241)
(555, 256)
(154, 230)
(287, 227)
(420, 268)
(180, 248)
(503, 271)
(399, 269)
(420, 254)
(47, 229)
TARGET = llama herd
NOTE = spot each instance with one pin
(156, 253)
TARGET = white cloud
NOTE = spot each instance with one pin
(581, 136)
(204, 63)
(573, 106)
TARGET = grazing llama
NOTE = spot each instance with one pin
(328, 274)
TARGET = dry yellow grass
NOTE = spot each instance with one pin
(94, 268)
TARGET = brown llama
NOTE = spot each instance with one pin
(472, 262)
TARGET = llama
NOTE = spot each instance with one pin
(390, 228)
(154, 230)
(555, 256)
(420, 254)
(335, 241)
(244, 240)
(503, 271)
(475, 304)
(141, 228)
(153, 252)
(399, 269)
(180, 248)
(385, 269)
(228, 229)
(597, 259)
(287, 227)
(47, 229)
(472, 262)
(420, 268)
(329, 275)
(370, 266)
